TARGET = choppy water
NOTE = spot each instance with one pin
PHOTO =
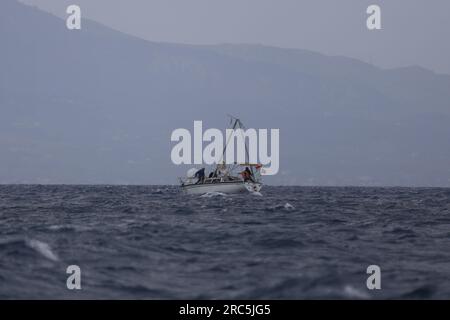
(292, 242)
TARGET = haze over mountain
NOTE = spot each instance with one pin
(98, 106)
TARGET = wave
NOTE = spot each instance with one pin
(42, 248)
(288, 206)
(353, 293)
(39, 246)
(213, 194)
(68, 227)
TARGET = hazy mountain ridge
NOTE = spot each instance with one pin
(98, 106)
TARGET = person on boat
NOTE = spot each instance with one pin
(213, 174)
(200, 175)
(222, 170)
(247, 175)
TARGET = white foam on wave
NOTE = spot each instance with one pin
(257, 193)
(213, 194)
(354, 293)
(59, 227)
(42, 248)
(289, 206)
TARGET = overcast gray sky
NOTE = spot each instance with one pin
(415, 32)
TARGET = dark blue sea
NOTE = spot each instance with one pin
(152, 242)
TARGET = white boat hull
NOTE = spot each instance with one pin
(223, 187)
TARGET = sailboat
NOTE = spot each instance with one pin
(225, 178)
